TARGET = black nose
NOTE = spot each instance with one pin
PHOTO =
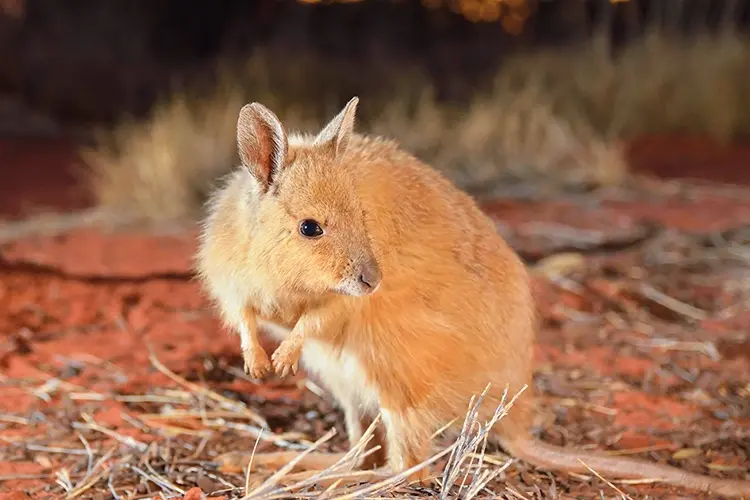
(370, 275)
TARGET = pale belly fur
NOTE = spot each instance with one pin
(342, 374)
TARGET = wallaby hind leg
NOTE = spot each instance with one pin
(357, 422)
(374, 458)
(408, 442)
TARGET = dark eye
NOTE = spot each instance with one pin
(310, 229)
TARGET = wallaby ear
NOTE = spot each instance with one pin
(340, 129)
(262, 142)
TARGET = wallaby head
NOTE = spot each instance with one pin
(309, 226)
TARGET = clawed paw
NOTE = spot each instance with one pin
(286, 359)
(257, 364)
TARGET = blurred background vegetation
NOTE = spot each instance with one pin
(495, 93)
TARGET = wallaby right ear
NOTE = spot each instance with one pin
(262, 143)
(340, 129)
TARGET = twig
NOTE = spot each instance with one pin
(618, 490)
(250, 464)
(163, 479)
(398, 477)
(466, 446)
(207, 392)
(349, 458)
(126, 440)
(110, 483)
(86, 486)
(47, 449)
(148, 398)
(271, 482)
(280, 440)
(484, 479)
(12, 419)
(672, 304)
(90, 454)
(443, 428)
(190, 414)
(17, 477)
(157, 480)
(707, 348)
(638, 481)
(515, 492)
(63, 479)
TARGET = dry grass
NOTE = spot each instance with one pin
(503, 137)
(552, 118)
(163, 168)
(101, 461)
(656, 84)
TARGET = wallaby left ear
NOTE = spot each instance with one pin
(262, 143)
(340, 129)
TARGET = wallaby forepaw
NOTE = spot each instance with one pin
(257, 364)
(286, 358)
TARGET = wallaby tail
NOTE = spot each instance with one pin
(550, 457)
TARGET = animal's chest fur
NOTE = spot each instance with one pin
(270, 311)
(340, 371)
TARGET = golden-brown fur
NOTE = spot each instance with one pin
(452, 312)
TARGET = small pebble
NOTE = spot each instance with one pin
(721, 415)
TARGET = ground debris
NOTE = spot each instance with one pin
(129, 388)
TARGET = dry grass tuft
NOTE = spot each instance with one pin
(505, 136)
(553, 118)
(162, 169)
(658, 83)
(98, 460)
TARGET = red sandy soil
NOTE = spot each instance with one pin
(38, 174)
(85, 307)
(690, 157)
